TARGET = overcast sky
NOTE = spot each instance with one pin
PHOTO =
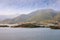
(16, 7)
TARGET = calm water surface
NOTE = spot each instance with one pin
(29, 34)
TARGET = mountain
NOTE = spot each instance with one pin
(57, 17)
(38, 15)
(3, 17)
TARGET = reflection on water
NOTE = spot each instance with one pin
(29, 34)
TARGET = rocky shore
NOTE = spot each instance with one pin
(32, 25)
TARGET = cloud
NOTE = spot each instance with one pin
(27, 3)
(12, 7)
(58, 2)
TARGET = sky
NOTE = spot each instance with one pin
(17, 7)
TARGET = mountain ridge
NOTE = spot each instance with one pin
(38, 15)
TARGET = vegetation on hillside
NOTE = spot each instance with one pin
(44, 15)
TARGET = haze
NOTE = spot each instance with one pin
(16, 7)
